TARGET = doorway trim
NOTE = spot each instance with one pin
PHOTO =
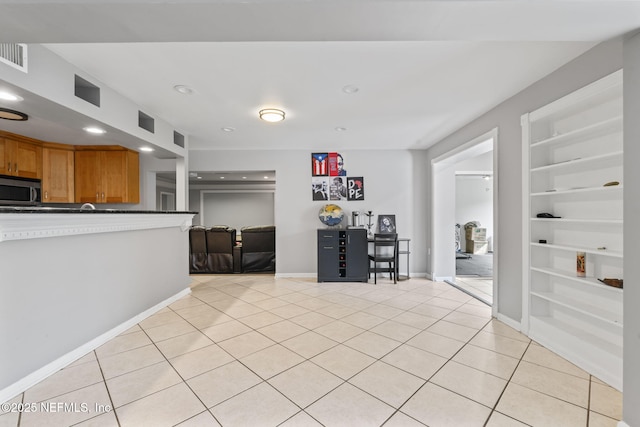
(440, 166)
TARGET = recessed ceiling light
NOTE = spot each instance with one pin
(183, 89)
(228, 129)
(8, 114)
(95, 130)
(244, 177)
(199, 177)
(266, 177)
(222, 177)
(271, 115)
(6, 96)
(350, 89)
(340, 129)
(147, 149)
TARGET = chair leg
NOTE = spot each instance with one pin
(375, 273)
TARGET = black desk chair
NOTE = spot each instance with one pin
(384, 251)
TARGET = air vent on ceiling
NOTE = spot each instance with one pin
(14, 54)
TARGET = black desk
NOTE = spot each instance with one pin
(403, 248)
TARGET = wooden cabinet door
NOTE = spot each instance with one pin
(28, 160)
(114, 176)
(5, 156)
(88, 177)
(57, 176)
(19, 158)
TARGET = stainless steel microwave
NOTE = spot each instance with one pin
(19, 191)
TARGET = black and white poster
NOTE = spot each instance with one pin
(355, 188)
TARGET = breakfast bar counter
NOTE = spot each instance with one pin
(71, 279)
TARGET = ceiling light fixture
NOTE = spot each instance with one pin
(147, 149)
(228, 129)
(350, 89)
(183, 89)
(8, 114)
(271, 115)
(95, 130)
(7, 96)
(340, 129)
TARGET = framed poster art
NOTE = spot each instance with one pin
(387, 224)
(355, 188)
(320, 188)
(337, 188)
(336, 165)
(319, 164)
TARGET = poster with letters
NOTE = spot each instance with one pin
(355, 188)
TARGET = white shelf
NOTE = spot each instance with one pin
(578, 190)
(584, 281)
(580, 163)
(594, 251)
(601, 128)
(580, 221)
(586, 309)
(571, 148)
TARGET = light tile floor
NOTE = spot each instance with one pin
(481, 287)
(260, 351)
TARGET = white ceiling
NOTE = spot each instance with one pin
(423, 68)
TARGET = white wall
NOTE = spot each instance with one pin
(389, 189)
(631, 340)
(237, 209)
(594, 64)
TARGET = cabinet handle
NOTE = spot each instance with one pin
(103, 197)
(16, 167)
(97, 197)
(327, 247)
(9, 166)
(46, 195)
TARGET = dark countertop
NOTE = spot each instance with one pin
(47, 209)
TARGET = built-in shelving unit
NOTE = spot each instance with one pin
(572, 169)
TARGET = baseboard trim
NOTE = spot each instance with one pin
(35, 377)
(295, 275)
(509, 321)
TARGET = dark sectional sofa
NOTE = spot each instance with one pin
(215, 250)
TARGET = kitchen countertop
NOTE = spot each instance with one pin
(57, 210)
(33, 222)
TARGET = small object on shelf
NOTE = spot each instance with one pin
(542, 241)
(581, 264)
(547, 215)
(611, 184)
(616, 283)
(602, 248)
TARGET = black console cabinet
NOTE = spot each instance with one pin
(342, 255)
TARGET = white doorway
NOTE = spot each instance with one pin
(473, 165)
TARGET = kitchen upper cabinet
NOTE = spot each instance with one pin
(58, 174)
(20, 158)
(106, 174)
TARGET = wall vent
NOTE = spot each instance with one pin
(14, 54)
(146, 122)
(86, 90)
(178, 139)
